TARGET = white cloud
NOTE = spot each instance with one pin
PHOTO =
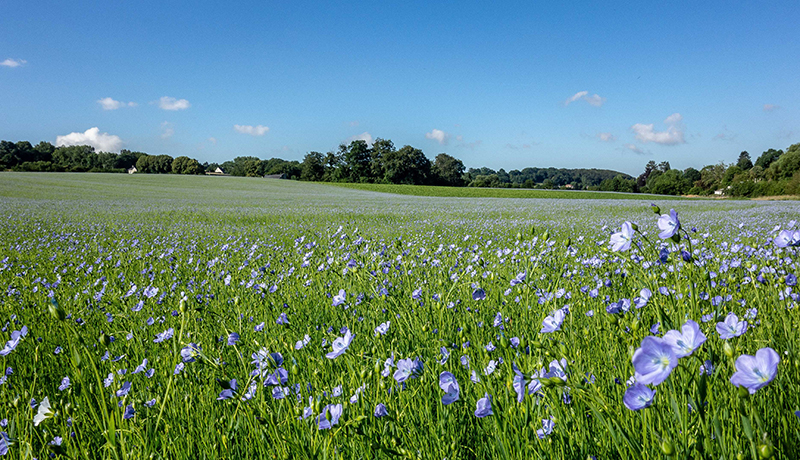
(595, 100)
(771, 107)
(213, 140)
(439, 136)
(170, 103)
(167, 130)
(13, 62)
(354, 123)
(575, 97)
(365, 136)
(102, 142)
(110, 104)
(132, 104)
(259, 130)
(606, 137)
(634, 149)
(672, 136)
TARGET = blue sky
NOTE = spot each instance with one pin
(510, 85)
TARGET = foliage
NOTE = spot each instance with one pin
(519, 302)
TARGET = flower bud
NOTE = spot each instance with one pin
(727, 349)
(104, 339)
(182, 306)
(656, 209)
(765, 451)
(742, 392)
(668, 448)
(56, 311)
(634, 227)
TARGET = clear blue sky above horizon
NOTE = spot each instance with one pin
(510, 85)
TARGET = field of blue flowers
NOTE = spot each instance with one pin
(231, 318)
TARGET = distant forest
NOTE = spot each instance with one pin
(774, 172)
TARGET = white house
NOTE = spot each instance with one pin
(216, 172)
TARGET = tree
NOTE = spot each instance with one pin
(744, 162)
(618, 184)
(669, 182)
(380, 149)
(690, 176)
(641, 181)
(786, 165)
(75, 158)
(126, 159)
(194, 167)
(407, 166)
(179, 165)
(448, 170)
(313, 167)
(357, 158)
(768, 157)
(43, 151)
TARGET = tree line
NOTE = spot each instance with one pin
(22, 156)
(774, 172)
(357, 161)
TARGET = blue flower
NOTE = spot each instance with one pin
(478, 294)
(668, 224)
(335, 411)
(449, 384)
(228, 392)
(552, 322)
(684, 343)
(638, 396)
(787, 238)
(654, 361)
(547, 428)
(382, 328)
(621, 241)
(282, 319)
(380, 411)
(731, 327)
(129, 412)
(339, 298)
(340, 345)
(126, 388)
(64, 384)
(188, 354)
(483, 408)
(756, 372)
(16, 336)
(407, 368)
(233, 339)
(166, 335)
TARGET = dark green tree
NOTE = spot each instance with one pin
(744, 162)
(313, 167)
(448, 170)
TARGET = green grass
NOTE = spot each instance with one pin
(228, 254)
(475, 192)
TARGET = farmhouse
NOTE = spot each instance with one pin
(216, 172)
(275, 176)
(132, 170)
